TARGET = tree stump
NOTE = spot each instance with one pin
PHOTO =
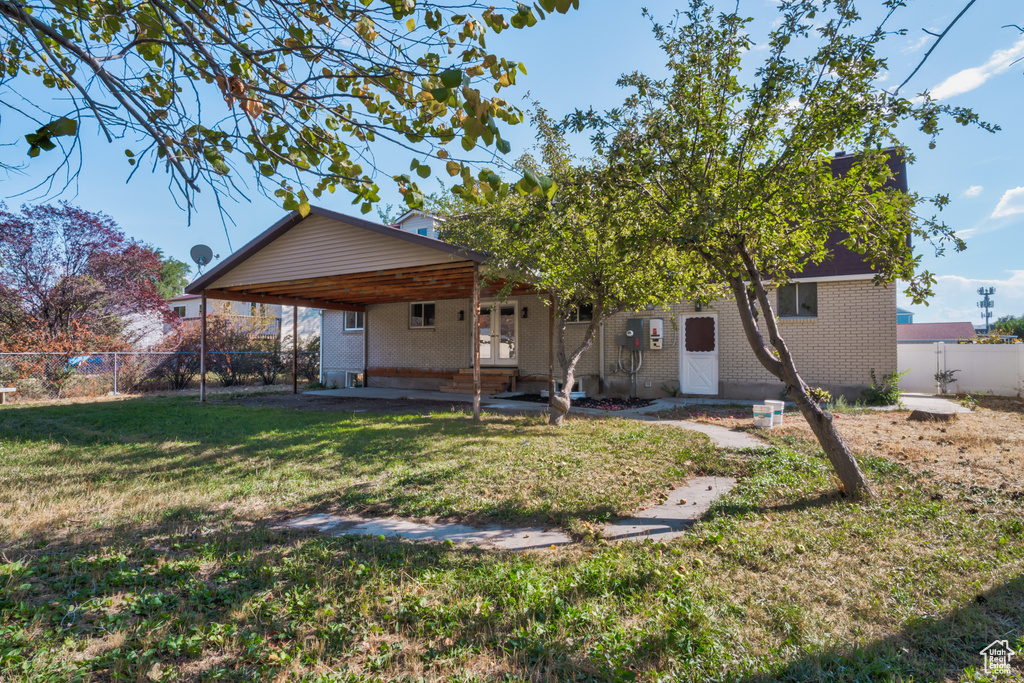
(927, 416)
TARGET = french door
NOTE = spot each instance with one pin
(499, 333)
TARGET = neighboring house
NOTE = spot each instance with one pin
(904, 317)
(268, 320)
(929, 333)
(397, 312)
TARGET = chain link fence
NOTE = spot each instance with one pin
(65, 375)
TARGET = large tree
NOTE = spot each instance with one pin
(575, 240)
(298, 91)
(738, 168)
(69, 273)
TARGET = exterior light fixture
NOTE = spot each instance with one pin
(525, 312)
(462, 315)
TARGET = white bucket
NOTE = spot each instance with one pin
(763, 416)
(777, 407)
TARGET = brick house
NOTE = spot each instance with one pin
(397, 312)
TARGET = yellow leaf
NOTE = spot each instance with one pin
(453, 168)
(411, 24)
(304, 209)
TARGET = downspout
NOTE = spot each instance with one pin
(600, 357)
(320, 360)
(366, 346)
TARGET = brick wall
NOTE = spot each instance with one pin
(854, 332)
(341, 351)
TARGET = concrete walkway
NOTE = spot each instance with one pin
(684, 506)
(931, 404)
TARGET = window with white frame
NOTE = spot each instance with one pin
(421, 314)
(354, 380)
(583, 313)
(353, 321)
(179, 311)
(423, 231)
(798, 300)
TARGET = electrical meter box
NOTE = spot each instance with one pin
(634, 337)
(657, 328)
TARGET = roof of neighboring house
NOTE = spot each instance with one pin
(417, 212)
(934, 331)
(904, 311)
(184, 297)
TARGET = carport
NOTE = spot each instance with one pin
(331, 261)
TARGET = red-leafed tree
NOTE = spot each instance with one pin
(66, 272)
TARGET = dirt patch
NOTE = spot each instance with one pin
(398, 406)
(984, 448)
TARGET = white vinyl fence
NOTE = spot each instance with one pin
(992, 368)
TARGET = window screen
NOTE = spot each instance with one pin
(700, 334)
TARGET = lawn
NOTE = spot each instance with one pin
(135, 548)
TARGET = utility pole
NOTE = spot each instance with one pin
(986, 305)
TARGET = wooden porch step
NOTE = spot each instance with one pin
(492, 381)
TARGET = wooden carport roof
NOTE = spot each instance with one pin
(354, 277)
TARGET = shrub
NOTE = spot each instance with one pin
(884, 393)
(945, 378)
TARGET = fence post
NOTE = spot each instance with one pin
(115, 373)
(940, 363)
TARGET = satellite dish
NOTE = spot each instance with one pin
(202, 255)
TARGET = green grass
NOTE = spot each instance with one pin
(783, 580)
(152, 460)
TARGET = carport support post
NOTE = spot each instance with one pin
(202, 349)
(295, 349)
(475, 331)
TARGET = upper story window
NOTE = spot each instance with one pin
(353, 321)
(798, 300)
(179, 311)
(421, 314)
(423, 231)
(583, 313)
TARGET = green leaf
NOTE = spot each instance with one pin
(451, 78)
(548, 5)
(423, 171)
(504, 146)
(441, 94)
(63, 126)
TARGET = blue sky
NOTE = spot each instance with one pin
(574, 60)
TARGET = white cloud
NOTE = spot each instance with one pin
(956, 296)
(969, 79)
(973, 191)
(1011, 203)
(916, 45)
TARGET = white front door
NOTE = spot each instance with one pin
(499, 333)
(698, 354)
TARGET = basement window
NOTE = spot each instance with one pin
(421, 315)
(354, 380)
(798, 300)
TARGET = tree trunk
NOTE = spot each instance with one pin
(782, 366)
(561, 402)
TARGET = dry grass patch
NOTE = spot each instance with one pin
(983, 448)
